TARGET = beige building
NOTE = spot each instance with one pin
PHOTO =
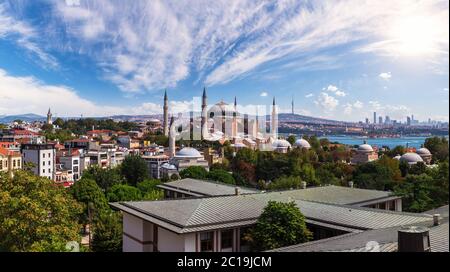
(364, 154)
(9, 160)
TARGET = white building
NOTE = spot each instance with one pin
(42, 156)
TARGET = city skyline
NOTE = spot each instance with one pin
(80, 58)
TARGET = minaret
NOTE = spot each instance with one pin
(172, 135)
(234, 127)
(166, 114)
(204, 115)
(49, 117)
(292, 105)
(274, 121)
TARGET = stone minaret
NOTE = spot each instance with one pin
(172, 135)
(166, 115)
(274, 121)
(204, 115)
(234, 128)
(49, 117)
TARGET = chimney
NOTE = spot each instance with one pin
(303, 185)
(350, 184)
(414, 239)
(436, 219)
(237, 191)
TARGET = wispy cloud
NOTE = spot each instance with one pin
(335, 90)
(326, 102)
(24, 36)
(264, 94)
(309, 95)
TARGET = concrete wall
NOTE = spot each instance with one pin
(170, 242)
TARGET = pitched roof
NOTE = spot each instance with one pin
(188, 215)
(204, 188)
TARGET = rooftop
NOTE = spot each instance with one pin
(204, 187)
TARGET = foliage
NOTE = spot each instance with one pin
(123, 192)
(89, 194)
(284, 182)
(415, 193)
(107, 229)
(105, 178)
(194, 172)
(221, 176)
(438, 147)
(36, 215)
(134, 169)
(81, 126)
(148, 185)
(60, 134)
(291, 139)
(280, 224)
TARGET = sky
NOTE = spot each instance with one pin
(339, 59)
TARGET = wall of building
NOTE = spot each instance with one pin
(170, 242)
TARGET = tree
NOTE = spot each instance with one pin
(107, 229)
(36, 215)
(194, 172)
(105, 178)
(221, 176)
(148, 185)
(415, 193)
(438, 147)
(134, 169)
(291, 139)
(59, 122)
(280, 224)
(89, 194)
(123, 192)
(284, 182)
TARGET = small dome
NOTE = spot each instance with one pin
(365, 148)
(188, 152)
(281, 144)
(423, 151)
(168, 166)
(411, 158)
(398, 157)
(302, 143)
(154, 121)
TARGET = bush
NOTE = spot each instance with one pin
(221, 176)
(194, 172)
(123, 192)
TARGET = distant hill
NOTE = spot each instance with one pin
(28, 117)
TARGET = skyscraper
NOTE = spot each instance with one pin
(380, 120)
(387, 120)
(408, 120)
(374, 117)
(367, 121)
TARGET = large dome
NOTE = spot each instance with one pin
(365, 148)
(188, 152)
(281, 144)
(302, 143)
(411, 158)
(423, 151)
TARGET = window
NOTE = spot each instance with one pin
(392, 205)
(226, 239)
(206, 241)
(382, 206)
(43, 171)
(75, 162)
(1, 164)
(49, 163)
(244, 243)
(43, 163)
(43, 155)
(14, 163)
(18, 163)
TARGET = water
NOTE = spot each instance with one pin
(415, 142)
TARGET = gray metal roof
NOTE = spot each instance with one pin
(204, 187)
(385, 237)
(443, 211)
(187, 215)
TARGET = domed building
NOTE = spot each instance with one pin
(411, 158)
(302, 143)
(397, 157)
(183, 159)
(281, 146)
(425, 154)
(364, 154)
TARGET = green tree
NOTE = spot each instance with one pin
(415, 193)
(438, 146)
(36, 215)
(123, 192)
(221, 176)
(291, 139)
(107, 229)
(284, 182)
(280, 224)
(194, 172)
(105, 178)
(148, 185)
(59, 122)
(134, 169)
(89, 194)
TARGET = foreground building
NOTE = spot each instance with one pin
(42, 157)
(220, 223)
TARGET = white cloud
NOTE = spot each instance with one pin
(326, 102)
(24, 35)
(20, 94)
(358, 104)
(332, 88)
(349, 107)
(309, 95)
(385, 76)
(335, 90)
(340, 93)
(264, 94)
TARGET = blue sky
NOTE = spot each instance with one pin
(339, 59)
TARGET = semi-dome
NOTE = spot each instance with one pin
(302, 143)
(423, 151)
(365, 148)
(398, 157)
(281, 144)
(188, 152)
(411, 158)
